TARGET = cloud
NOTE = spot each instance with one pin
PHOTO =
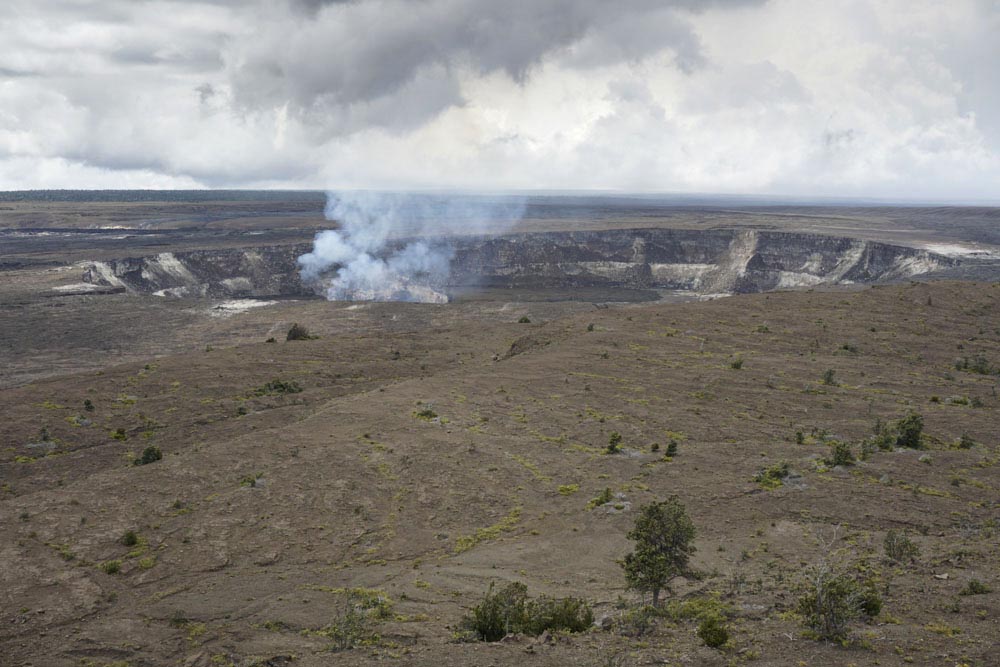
(887, 98)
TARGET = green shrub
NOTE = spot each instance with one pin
(736, 364)
(614, 442)
(130, 538)
(965, 442)
(975, 587)
(713, 632)
(908, 431)
(899, 547)
(355, 620)
(299, 332)
(831, 600)
(426, 414)
(637, 622)
(111, 566)
(119, 434)
(88, 405)
(978, 364)
(149, 455)
(905, 432)
(510, 610)
(773, 476)
(829, 377)
(603, 498)
(672, 448)
(841, 454)
(524, 320)
(277, 387)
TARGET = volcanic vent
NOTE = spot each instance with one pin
(716, 261)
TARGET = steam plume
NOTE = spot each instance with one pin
(397, 247)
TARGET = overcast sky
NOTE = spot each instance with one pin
(890, 98)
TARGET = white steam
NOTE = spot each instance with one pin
(397, 247)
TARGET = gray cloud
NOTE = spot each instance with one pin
(894, 97)
(349, 55)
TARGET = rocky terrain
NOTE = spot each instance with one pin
(708, 262)
(404, 456)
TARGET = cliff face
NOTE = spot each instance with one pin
(706, 261)
(709, 261)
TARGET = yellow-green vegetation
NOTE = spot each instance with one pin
(603, 498)
(111, 566)
(505, 525)
(568, 489)
(773, 476)
(358, 612)
(532, 468)
(425, 414)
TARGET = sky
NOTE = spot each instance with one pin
(889, 99)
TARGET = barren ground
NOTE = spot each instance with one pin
(352, 488)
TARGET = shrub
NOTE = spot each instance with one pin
(905, 432)
(832, 600)
(603, 498)
(355, 619)
(111, 566)
(88, 405)
(974, 587)
(524, 320)
(277, 387)
(672, 448)
(828, 377)
(119, 434)
(299, 332)
(841, 454)
(713, 632)
(510, 610)
(978, 364)
(637, 622)
(899, 547)
(908, 430)
(567, 614)
(736, 364)
(965, 442)
(426, 414)
(773, 476)
(129, 539)
(149, 455)
(590, 327)
(614, 442)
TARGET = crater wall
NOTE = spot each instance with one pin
(705, 261)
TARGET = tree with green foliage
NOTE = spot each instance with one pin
(664, 536)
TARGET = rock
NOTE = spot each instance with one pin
(605, 622)
(941, 576)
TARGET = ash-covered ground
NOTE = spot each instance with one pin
(427, 450)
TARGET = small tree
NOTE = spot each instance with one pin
(663, 534)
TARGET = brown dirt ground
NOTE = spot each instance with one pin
(354, 490)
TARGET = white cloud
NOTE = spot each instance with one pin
(871, 98)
